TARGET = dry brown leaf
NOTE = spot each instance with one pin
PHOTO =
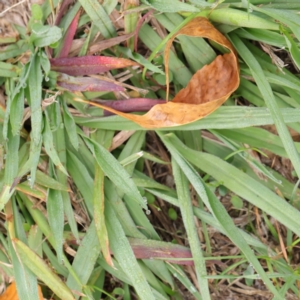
(11, 293)
(208, 89)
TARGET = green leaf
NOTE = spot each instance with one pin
(223, 118)
(116, 173)
(49, 182)
(70, 125)
(83, 264)
(270, 101)
(60, 146)
(289, 18)
(8, 70)
(170, 6)
(26, 281)
(35, 240)
(186, 208)
(45, 64)
(14, 50)
(99, 218)
(242, 19)
(35, 98)
(213, 204)
(36, 12)
(140, 59)
(123, 253)
(82, 179)
(243, 185)
(16, 112)
(49, 145)
(151, 39)
(42, 270)
(12, 157)
(45, 35)
(55, 211)
(237, 202)
(99, 17)
(293, 47)
(196, 50)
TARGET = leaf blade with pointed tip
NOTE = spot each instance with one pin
(99, 17)
(87, 84)
(88, 65)
(116, 173)
(42, 270)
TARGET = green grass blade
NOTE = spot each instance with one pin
(196, 50)
(223, 118)
(261, 35)
(99, 219)
(217, 209)
(12, 157)
(11, 167)
(49, 145)
(241, 19)
(185, 204)
(116, 173)
(16, 112)
(289, 18)
(26, 281)
(49, 182)
(8, 70)
(70, 126)
(171, 6)
(42, 270)
(14, 50)
(35, 240)
(121, 211)
(151, 39)
(293, 47)
(60, 146)
(35, 90)
(257, 137)
(135, 143)
(99, 17)
(285, 187)
(243, 185)
(83, 264)
(57, 266)
(55, 211)
(82, 179)
(41, 221)
(109, 5)
(271, 103)
(130, 22)
(123, 253)
(181, 276)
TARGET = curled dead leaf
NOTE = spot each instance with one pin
(208, 89)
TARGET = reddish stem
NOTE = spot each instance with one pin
(130, 105)
(138, 27)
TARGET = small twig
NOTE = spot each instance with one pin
(9, 8)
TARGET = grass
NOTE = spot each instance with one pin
(97, 207)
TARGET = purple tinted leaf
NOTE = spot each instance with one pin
(147, 249)
(84, 84)
(62, 10)
(89, 65)
(130, 105)
(67, 43)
